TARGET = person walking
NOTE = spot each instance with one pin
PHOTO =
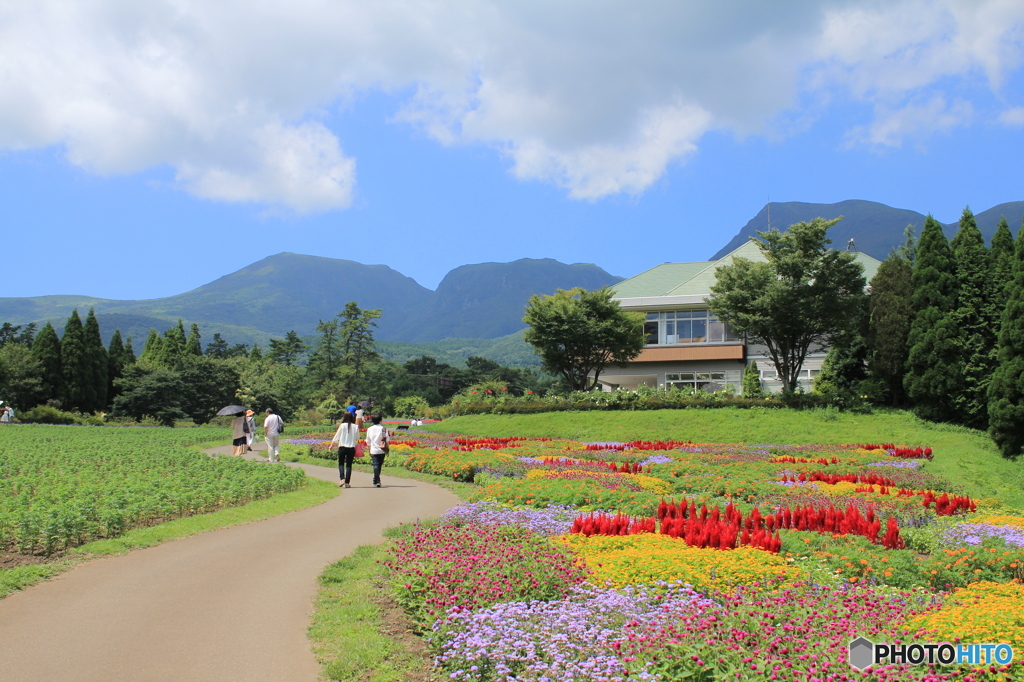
(273, 425)
(250, 434)
(238, 427)
(5, 415)
(346, 438)
(378, 440)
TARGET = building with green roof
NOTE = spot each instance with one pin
(687, 346)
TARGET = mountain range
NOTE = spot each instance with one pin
(475, 310)
(290, 291)
(875, 228)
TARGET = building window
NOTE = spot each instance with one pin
(802, 376)
(703, 381)
(680, 327)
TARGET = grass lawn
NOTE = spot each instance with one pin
(963, 456)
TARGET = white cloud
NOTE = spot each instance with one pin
(596, 98)
(891, 127)
(1013, 116)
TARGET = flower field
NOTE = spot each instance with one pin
(696, 561)
(63, 486)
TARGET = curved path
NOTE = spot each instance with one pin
(231, 604)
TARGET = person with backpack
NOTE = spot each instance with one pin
(273, 427)
(378, 440)
(347, 439)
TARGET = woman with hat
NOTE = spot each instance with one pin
(250, 435)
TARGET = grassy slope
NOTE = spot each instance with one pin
(963, 456)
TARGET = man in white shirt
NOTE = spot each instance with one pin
(272, 432)
(377, 440)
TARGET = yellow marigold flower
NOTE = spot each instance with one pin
(648, 558)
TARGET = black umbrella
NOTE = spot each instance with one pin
(231, 409)
(365, 404)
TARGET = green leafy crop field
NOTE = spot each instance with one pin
(63, 486)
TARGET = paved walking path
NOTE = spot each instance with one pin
(231, 604)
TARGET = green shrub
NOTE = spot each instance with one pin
(46, 414)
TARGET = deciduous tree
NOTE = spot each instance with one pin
(577, 333)
(800, 300)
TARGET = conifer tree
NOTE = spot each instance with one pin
(1006, 389)
(217, 348)
(973, 322)
(153, 350)
(75, 365)
(752, 387)
(172, 350)
(255, 355)
(193, 346)
(891, 314)
(1001, 259)
(129, 352)
(933, 376)
(116, 361)
(46, 349)
(98, 370)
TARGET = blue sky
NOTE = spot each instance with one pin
(149, 148)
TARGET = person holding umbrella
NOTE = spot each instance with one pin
(238, 428)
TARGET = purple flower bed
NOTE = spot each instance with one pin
(903, 464)
(306, 441)
(974, 533)
(657, 459)
(552, 520)
(567, 639)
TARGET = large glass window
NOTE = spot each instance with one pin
(703, 381)
(686, 326)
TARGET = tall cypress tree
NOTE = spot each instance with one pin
(76, 365)
(933, 361)
(972, 319)
(1001, 259)
(46, 349)
(194, 344)
(1006, 389)
(129, 352)
(153, 350)
(98, 367)
(115, 364)
(173, 347)
(889, 327)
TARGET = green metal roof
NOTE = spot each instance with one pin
(659, 280)
(696, 279)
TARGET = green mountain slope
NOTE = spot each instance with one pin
(291, 291)
(487, 300)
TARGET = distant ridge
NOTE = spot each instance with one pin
(875, 228)
(293, 291)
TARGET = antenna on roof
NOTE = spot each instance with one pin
(850, 246)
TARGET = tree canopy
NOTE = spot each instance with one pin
(802, 298)
(577, 333)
